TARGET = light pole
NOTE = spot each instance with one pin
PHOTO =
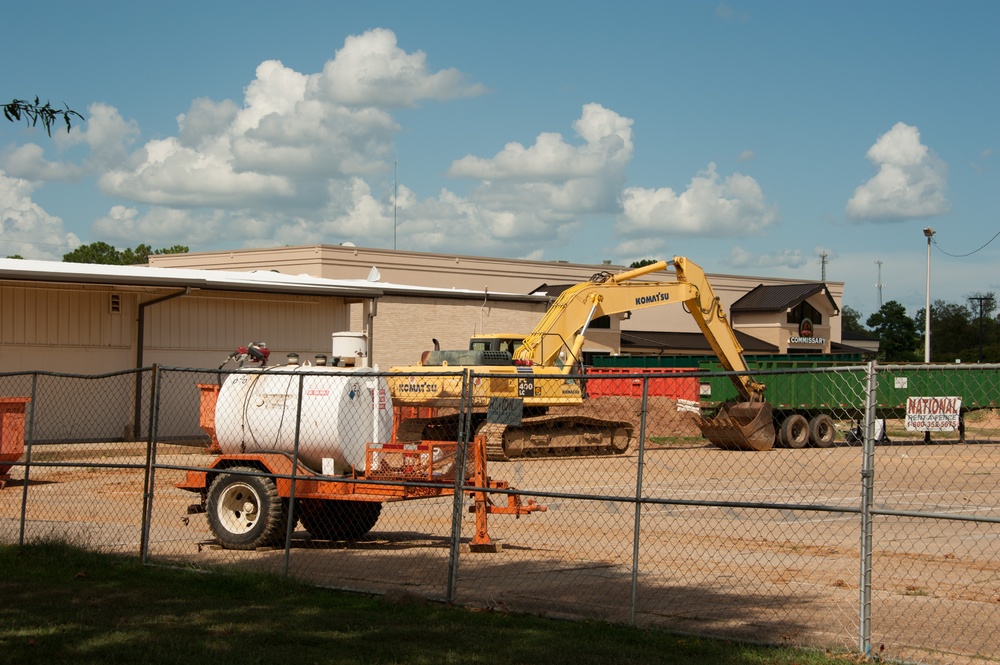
(929, 232)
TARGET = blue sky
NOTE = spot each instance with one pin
(749, 136)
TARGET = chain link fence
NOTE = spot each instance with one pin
(872, 525)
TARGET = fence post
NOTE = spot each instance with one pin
(290, 528)
(638, 500)
(29, 435)
(867, 497)
(461, 454)
(150, 476)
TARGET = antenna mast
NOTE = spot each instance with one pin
(394, 193)
(878, 286)
(822, 263)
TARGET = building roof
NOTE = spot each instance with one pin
(685, 342)
(264, 281)
(780, 297)
(846, 335)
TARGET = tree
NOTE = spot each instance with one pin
(850, 320)
(33, 113)
(896, 331)
(642, 264)
(101, 252)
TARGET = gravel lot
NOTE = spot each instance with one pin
(759, 546)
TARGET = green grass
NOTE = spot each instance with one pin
(61, 604)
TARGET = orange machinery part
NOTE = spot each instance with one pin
(206, 416)
(11, 434)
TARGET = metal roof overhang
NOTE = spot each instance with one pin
(210, 280)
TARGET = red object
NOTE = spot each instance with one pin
(630, 385)
(11, 433)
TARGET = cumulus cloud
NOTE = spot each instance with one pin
(159, 226)
(294, 162)
(295, 138)
(711, 205)
(371, 70)
(910, 181)
(28, 162)
(25, 228)
(740, 258)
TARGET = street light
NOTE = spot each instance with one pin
(929, 232)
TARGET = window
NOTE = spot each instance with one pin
(115, 303)
(804, 311)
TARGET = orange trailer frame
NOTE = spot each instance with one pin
(400, 472)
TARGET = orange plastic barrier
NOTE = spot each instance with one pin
(630, 385)
(209, 397)
(11, 433)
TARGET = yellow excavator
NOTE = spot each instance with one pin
(527, 391)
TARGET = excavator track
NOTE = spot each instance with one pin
(536, 436)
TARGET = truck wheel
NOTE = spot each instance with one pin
(245, 512)
(339, 520)
(794, 432)
(822, 432)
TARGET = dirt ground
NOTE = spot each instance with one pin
(758, 546)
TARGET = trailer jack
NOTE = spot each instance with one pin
(483, 504)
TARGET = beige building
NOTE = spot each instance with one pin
(406, 323)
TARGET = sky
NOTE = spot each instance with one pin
(775, 139)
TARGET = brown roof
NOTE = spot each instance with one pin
(780, 297)
(683, 341)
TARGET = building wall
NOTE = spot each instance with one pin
(405, 326)
(468, 272)
(91, 330)
(773, 327)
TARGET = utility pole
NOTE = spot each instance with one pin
(395, 192)
(878, 285)
(981, 300)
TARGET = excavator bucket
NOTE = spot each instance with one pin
(741, 426)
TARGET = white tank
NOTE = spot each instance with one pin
(351, 348)
(342, 409)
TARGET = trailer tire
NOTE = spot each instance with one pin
(794, 431)
(245, 512)
(822, 432)
(331, 519)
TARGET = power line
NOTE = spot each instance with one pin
(959, 256)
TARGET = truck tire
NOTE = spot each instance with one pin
(330, 519)
(794, 431)
(822, 432)
(245, 512)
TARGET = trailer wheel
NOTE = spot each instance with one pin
(822, 432)
(794, 432)
(329, 519)
(245, 512)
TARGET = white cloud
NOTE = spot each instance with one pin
(28, 161)
(910, 180)
(162, 227)
(25, 228)
(294, 134)
(734, 206)
(783, 258)
(371, 70)
(607, 148)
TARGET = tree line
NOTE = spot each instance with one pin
(969, 331)
(103, 253)
(966, 332)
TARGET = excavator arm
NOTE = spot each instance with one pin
(558, 338)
